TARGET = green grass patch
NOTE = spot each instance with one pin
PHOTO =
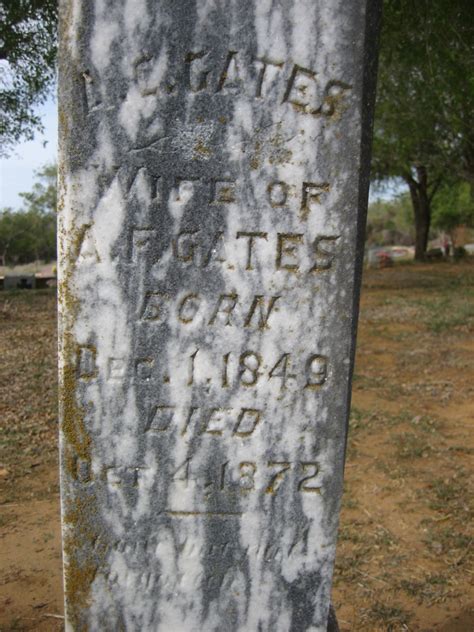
(411, 446)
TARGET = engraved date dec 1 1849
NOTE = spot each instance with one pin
(248, 369)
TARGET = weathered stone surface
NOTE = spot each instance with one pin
(214, 162)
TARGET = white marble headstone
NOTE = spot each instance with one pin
(213, 186)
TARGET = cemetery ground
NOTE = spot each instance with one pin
(405, 558)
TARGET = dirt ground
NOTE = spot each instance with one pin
(405, 558)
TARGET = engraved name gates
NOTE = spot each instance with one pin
(236, 72)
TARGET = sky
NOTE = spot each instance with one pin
(17, 172)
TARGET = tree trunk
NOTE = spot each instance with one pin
(421, 201)
(452, 235)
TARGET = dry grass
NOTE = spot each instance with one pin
(405, 553)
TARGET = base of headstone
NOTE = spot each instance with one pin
(333, 625)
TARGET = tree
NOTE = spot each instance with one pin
(27, 66)
(450, 82)
(30, 233)
(10, 231)
(40, 209)
(390, 221)
(454, 207)
(425, 98)
(43, 198)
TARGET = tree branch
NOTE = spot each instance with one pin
(436, 186)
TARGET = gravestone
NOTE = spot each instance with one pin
(213, 184)
(19, 282)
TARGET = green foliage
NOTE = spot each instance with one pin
(425, 92)
(43, 198)
(30, 233)
(454, 206)
(390, 221)
(27, 66)
(404, 118)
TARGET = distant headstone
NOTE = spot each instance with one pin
(214, 173)
(19, 282)
(44, 282)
